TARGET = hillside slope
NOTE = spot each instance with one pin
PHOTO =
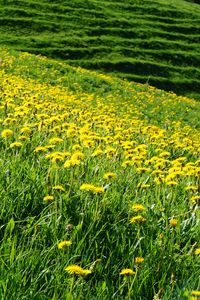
(99, 185)
(153, 41)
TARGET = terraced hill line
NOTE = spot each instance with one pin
(148, 41)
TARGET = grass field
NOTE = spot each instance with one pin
(153, 41)
(99, 185)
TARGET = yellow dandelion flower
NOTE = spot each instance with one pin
(55, 140)
(78, 155)
(195, 199)
(127, 272)
(127, 163)
(49, 147)
(97, 153)
(143, 170)
(171, 183)
(137, 219)
(64, 244)
(98, 190)
(59, 188)
(71, 132)
(9, 121)
(191, 188)
(164, 154)
(71, 163)
(158, 180)
(86, 187)
(197, 251)
(139, 260)
(86, 272)
(74, 270)
(77, 270)
(109, 175)
(56, 158)
(66, 154)
(195, 293)
(91, 188)
(76, 147)
(23, 138)
(143, 185)
(26, 130)
(138, 207)
(16, 145)
(40, 149)
(48, 198)
(173, 222)
(6, 133)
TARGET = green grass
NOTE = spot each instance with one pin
(147, 137)
(110, 35)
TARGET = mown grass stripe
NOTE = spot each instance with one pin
(158, 27)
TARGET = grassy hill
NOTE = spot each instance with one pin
(146, 41)
(99, 185)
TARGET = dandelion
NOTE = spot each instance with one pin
(64, 244)
(59, 188)
(26, 130)
(16, 145)
(195, 199)
(6, 133)
(98, 190)
(9, 121)
(78, 155)
(40, 149)
(127, 163)
(97, 153)
(109, 175)
(197, 251)
(143, 185)
(171, 183)
(86, 187)
(138, 207)
(77, 270)
(143, 170)
(137, 219)
(127, 272)
(139, 260)
(24, 138)
(48, 199)
(55, 156)
(191, 188)
(173, 222)
(92, 188)
(50, 147)
(76, 147)
(195, 293)
(164, 154)
(74, 269)
(55, 140)
(158, 180)
(71, 163)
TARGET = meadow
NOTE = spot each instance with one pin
(99, 185)
(153, 41)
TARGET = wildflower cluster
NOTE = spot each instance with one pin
(103, 174)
